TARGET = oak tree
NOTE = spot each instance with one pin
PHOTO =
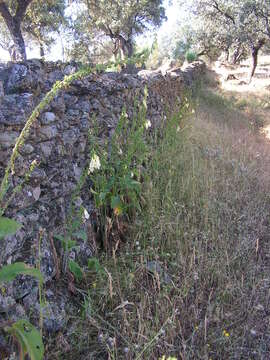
(122, 20)
(13, 13)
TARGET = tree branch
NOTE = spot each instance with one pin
(224, 13)
(21, 9)
(5, 12)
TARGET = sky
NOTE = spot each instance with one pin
(173, 14)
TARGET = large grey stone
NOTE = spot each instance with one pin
(10, 245)
(24, 78)
(46, 148)
(48, 132)
(15, 109)
(48, 118)
(27, 149)
(7, 139)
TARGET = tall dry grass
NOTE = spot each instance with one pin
(192, 281)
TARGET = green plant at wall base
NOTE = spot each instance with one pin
(191, 56)
(94, 265)
(76, 270)
(67, 243)
(8, 227)
(28, 337)
(115, 170)
(9, 272)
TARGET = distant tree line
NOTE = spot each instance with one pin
(99, 28)
(236, 28)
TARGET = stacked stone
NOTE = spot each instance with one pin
(58, 142)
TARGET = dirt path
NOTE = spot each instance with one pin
(254, 98)
(233, 129)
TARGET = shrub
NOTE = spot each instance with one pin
(191, 56)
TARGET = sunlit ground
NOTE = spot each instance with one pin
(266, 131)
(239, 76)
(234, 79)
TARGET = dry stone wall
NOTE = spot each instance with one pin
(58, 142)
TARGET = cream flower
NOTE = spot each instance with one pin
(147, 124)
(94, 164)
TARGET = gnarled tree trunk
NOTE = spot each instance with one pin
(254, 53)
(41, 51)
(127, 49)
(14, 26)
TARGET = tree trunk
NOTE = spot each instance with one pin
(41, 51)
(19, 45)
(131, 68)
(127, 50)
(115, 50)
(227, 52)
(14, 26)
(236, 55)
(254, 53)
(122, 47)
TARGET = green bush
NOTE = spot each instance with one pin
(191, 56)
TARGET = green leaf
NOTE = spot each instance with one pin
(131, 184)
(29, 338)
(116, 202)
(75, 269)
(102, 196)
(9, 272)
(81, 235)
(117, 205)
(94, 265)
(67, 243)
(8, 226)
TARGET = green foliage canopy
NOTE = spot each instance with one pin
(30, 19)
(120, 21)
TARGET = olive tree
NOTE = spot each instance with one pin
(31, 20)
(42, 20)
(13, 13)
(121, 21)
(237, 25)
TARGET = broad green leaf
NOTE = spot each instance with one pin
(116, 202)
(117, 205)
(29, 338)
(76, 223)
(75, 269)
(8, 226)
(9, 272)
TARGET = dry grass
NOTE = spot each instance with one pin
(206, 227)
(240, 83)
